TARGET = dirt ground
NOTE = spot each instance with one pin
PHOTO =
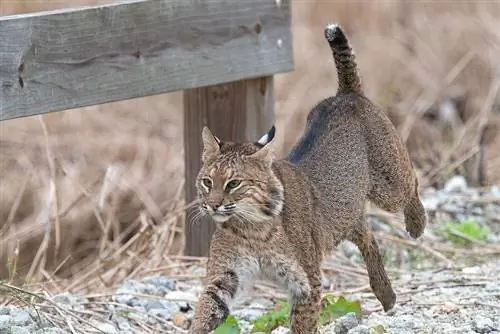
(118, 167)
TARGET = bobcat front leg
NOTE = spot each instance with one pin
(212, 307)
(305, 310)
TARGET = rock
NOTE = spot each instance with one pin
(153, 304)
(472, 270)
(106, 328)
(122, 323)
(21, 318)
(248, 314)
(161, 283)
(492, 287)
(19, 330)
(280, 330)
(456, 184)
(345, 323)
(362, 330)
(181, 296)
(431, 203)
(5, 321)
(481, 324)
(162, 313)
(68, 299)
(50, 331)
(449, 307)
(254, 310)
(180, 320)
(495, 191)
(198, 271)
(5, 310)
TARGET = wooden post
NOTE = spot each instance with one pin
(240, 110)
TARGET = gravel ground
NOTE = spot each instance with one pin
(458, 298)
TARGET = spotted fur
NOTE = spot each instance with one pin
(278, 218)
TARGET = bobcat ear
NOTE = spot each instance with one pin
(268, 137)
(211, 144)
(266, 152)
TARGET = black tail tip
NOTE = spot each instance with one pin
(333, 32)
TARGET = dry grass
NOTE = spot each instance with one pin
(89, 197)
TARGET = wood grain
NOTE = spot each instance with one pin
(58, 60)
(242, 110)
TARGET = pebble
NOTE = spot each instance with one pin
(106, 328)
(363, 330)
(21, 318)
(345, 323)
(19, 330)
(449, 307)
(5, 321)
(181, 320)
(457, 183)
(482, 324)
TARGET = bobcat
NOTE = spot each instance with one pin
(278, 219)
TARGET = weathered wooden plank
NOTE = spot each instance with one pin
(242, 110)
(59, 60)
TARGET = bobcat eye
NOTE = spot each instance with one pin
(232, 184)
(207, 182)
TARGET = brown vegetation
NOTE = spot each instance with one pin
(76, 184)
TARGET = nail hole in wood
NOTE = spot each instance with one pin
(257, 28)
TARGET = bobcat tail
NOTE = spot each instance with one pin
(345, 61)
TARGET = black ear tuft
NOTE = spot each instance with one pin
(267, 138)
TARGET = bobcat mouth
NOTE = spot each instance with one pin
(222, 214)
(220, 218)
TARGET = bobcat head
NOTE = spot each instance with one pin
(236, 180)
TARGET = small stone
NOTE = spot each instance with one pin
(5, 321)
(106, 328)
(19, 330)
(21, 318)
(363, 330)
(431, 203)
(472, 270)
(161, 283)
(482, 324)
(180, 320)
(198, 271)
(457, 184)
(379, 329)
(123, 323)
(449, 307)
(50, 331)
(248, 314)
(492, 287)
(68, 299)
(495, 191)
(162, 313)
(345, 323)
(5, 310)
(281, 330)
(153, 304)
(181, 296)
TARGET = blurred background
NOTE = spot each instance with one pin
(118, 167)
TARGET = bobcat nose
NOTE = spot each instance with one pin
(214, 206)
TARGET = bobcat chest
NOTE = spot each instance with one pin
(285, 272)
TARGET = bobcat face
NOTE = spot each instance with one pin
(236, 180)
